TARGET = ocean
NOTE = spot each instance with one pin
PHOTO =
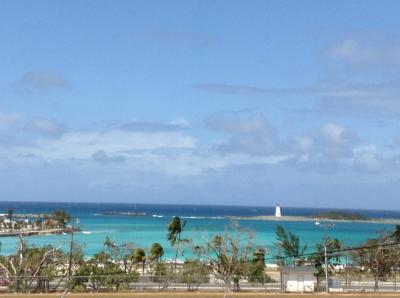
(201, 223)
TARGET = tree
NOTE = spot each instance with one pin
(27, 264)
(102, 271)
(228, 254)
(156, 252)
(10, 217)
(61, 217)
(396, 234)
(120, 252)
(139, 257)
(159, 269)
(318, 259)
(257, 267)
(378, 257)
(290, 244)
(194, 273)
(175, 229)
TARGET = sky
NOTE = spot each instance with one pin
(201, 102)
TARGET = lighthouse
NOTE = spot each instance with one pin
(278, 211)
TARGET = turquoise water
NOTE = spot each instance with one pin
(202, 223)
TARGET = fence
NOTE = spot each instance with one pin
(110, 283)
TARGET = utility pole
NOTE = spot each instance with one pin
(325, 226)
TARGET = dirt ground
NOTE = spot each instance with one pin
(200, 295)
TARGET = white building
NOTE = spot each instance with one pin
(298, 279)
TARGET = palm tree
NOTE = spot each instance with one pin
(175, 228)
(156, 252)
(139, 256)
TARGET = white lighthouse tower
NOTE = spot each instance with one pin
(278, 211)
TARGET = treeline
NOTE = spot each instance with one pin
(341, 215)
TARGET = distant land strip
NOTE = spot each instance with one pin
(316, 218)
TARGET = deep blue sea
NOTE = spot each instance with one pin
(202, 222)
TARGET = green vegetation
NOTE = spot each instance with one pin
(28, 263)
(61, 217)
(396, 234)
(228, 255)
(256, 267)
(289, 244)
(341, 215)
(104, 272)
(318, 259)
(139, 257)
(156, 252)
(378, 257)
(194, 273)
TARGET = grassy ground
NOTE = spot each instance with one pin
(199, 295)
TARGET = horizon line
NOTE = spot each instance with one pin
(193, 204)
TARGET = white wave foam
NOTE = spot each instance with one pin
(99, 231)
(203, 217)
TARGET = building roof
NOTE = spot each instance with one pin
(298, 269)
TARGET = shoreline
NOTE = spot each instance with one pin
(306, 218)
(35, 233)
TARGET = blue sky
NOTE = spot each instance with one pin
(212, 102)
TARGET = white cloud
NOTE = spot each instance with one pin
(179, 122)
(249, 133)
(230, 89)
(328, 148)
(367, 100)
(45, 127)
(247, 139)
(10, 119)
(82, 145)
(366, 52)
(43, 80)
(240, 123)
(368, 157)
(337, 134)
(356, 99)
(346, 48)
(102, 157)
